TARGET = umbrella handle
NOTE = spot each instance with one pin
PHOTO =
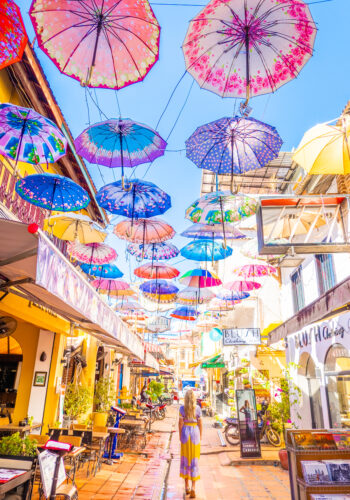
(123, 185)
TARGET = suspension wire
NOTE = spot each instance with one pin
(118, 103)
(98, 106)
(89, 123)
(203, 4)
(168, 102)
(181, 110)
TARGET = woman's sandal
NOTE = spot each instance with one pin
(193, 494)
(188, 491)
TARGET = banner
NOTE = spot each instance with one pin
(241, 336)
(58, 277)
(248, 423)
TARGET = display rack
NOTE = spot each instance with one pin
(300, 488)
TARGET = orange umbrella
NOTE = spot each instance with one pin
(155, 271)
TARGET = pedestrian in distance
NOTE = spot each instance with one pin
(190, 431)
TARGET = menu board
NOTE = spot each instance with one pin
(47, 462)
(8, 474)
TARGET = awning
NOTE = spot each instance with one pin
(207, 359)
(335, 299)
(216, 362)
(32, 267)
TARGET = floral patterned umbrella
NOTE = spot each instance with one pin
(153, 251)
(156, 271)
(13, 37)
(212, 232)
(104, 285)
(243, 48)
(161, 298)
(53, 192)
(242, 286)
(255, 271)
(194, 296)
(110, 271)
(101, 43)
(185, 313)
(144, 231)
(91, 253)
(27, 136)
(159, 287)
(200, 278)
(75, 227)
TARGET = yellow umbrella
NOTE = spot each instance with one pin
(293, 225)
(75, 227)
(325, 149)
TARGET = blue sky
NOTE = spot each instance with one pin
(319, 94)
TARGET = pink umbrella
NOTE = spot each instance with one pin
(144, 231)
(91, 253)
(255, 271)
(222, 305)
(200, 278)
(242, 286)
(109, 286)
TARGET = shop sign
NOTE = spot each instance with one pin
(319, 332)
(241, 336)
(248, 423)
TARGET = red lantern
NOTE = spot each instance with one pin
(33, 228)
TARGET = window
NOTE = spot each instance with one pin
(325, 272)
(297, 290)
(337, 371)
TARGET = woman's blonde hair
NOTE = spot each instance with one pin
(190, 405)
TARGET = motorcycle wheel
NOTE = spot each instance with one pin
(161, 415)
(232, 434)
(273, 437)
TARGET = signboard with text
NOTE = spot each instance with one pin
(241, 336)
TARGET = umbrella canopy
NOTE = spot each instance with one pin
(91, 253)
(128, 305)
(122, 293)
(194, 296)
(233, 145)
(13, 37)
(109, 271)
(204, 250)
(290, 225)
(247, 48)
(166, 298)
(144, 231)
(53, 192)
(139, 199)
(207, 323)
(27, 136)
(156, 271)
(232, 296)
(153, 251)
(185, 313)
(220, 305)
(255, 271)
(200, 278)
(75, 227)
(107, 286)
(324, 149)
(212, 232)
(159, 287)
(242, 286)
(101, 43)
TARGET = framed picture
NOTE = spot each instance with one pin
(40, 379)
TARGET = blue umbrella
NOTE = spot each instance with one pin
(138, 200)
(186, 313)
(233, 145)
(53, 192)
(153, 251)
(159, 287)
(213, 232)
(110, 271)
(230, 295)
(205, 250)
(215, 334)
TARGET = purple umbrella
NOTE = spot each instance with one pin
(159, 287)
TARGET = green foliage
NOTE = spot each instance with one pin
(104, 394)
(15, 445)
(155, 389)
(77, 401)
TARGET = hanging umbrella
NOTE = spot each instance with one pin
(109, 271)
(250, 249)
(75, 227)
(156, 271)
(233, 145)
(141, 199)
(104, 285)
(232, 296)
(53, 192)
(160, 298)
(144, 231)
(206, 324)
(204, 250)
(194, 296)
(123, 293)
(212, 232)
(91, 253)
(134, 316)
(325, 149)
(128, 305)
(120, 143)
(255, 271)
(242, 286)
(101, 43)
(153, 251)
(200, 278)
(27, 136)
(247, 48)
(185, 313)
(13, 37)
(221, 305)
(291, 225)
(159, 287)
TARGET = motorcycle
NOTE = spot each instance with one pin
(265, 428)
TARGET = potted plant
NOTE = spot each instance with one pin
(155, 390)
(15, 445)
(103, 399)
(77, 401)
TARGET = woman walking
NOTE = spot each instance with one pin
(190, 430)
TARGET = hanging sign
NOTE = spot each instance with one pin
(241, 336)
(248, 423)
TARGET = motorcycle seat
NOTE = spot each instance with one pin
(232, 420)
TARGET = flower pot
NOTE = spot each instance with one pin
(283, 456)
(100, 419)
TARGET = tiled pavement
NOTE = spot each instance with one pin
(154, 475)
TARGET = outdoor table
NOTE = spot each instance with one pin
(74, 455)
(112, 432)
(26, 429)
(135, 422)
(15, 482)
